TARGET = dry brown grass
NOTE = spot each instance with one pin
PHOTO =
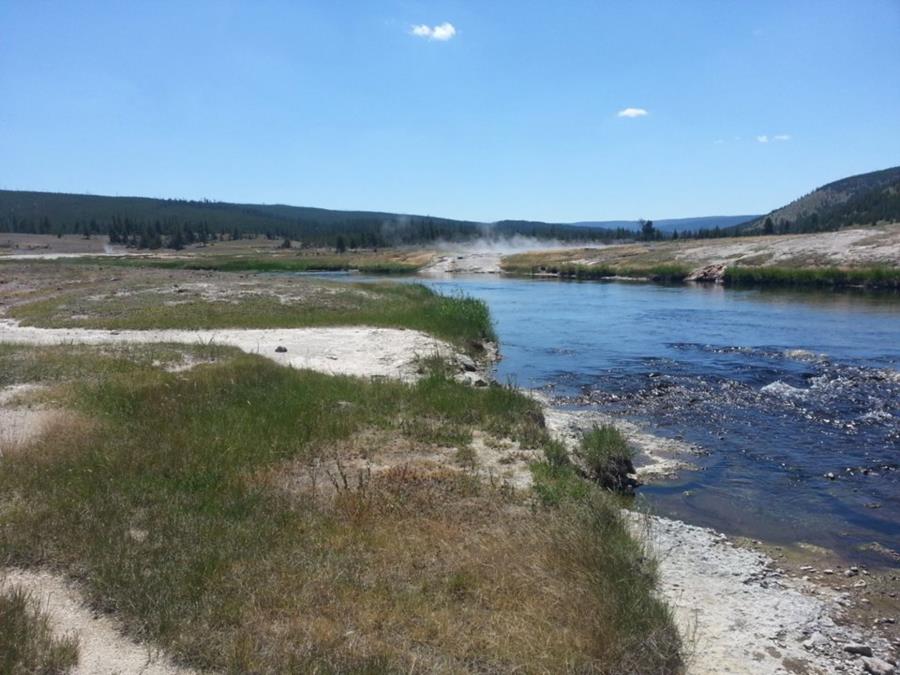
(430, 570)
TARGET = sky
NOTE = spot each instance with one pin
(555, 111)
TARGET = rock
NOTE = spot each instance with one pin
(877, 666)
(829, 475)
(479, 382)
(708, 274)
(467, 364)
(858, 649)
(828, 571)
(281, 349)
(815, 640)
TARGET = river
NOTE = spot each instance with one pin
(780, 390)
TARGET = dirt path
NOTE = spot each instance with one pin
(102, 650)
(358, 350)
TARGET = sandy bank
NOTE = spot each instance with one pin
(741, 614)
(357, 350)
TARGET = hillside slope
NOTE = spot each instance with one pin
(865, 199)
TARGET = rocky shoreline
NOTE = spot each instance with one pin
(738, 610)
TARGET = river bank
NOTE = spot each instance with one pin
(747, 606)
(852, 258)
(738, 610)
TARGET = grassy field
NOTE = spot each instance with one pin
(75, 296)
(391, 262)
(220, 516)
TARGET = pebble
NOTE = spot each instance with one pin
(815, 640)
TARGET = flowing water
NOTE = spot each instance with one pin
(779, 389)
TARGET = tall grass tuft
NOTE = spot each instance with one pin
(607, 458)
(27, 643)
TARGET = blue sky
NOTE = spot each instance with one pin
(481, 110)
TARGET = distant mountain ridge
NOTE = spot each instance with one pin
(672, 224)
(863, 199)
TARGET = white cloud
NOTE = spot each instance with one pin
(441, 32)
(632, 112)
(779, 138)
(719, 141)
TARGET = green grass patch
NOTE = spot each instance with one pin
(27, 643)
(186, 504)
(668, 273)
(89, 363)
(461, 320)
(819, 277)
(221, 263)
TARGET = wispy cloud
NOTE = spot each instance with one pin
(632, 112)
(779, 138)
(441, 32)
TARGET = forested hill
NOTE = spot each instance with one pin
(148, 223)
(865, 199)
